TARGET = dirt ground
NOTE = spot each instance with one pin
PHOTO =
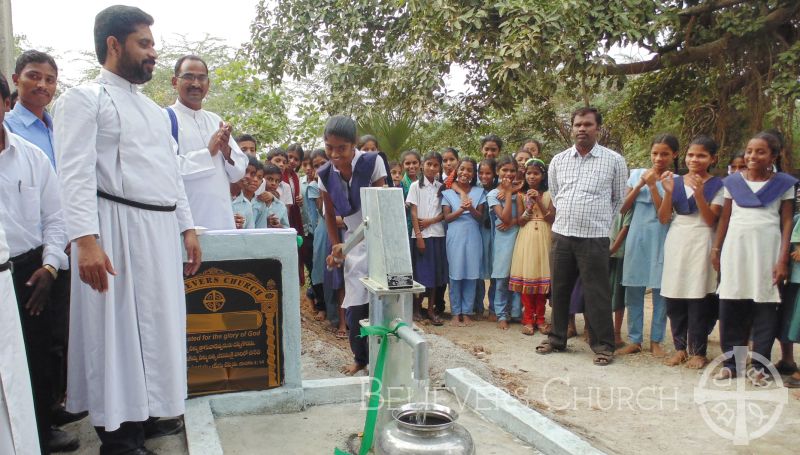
(635, 405)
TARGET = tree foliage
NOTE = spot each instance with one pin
(392, 131)
(724, 67)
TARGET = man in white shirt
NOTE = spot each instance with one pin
(208, 157)
(125, 208)
(36, 77)
(30, 210)
(587, 184)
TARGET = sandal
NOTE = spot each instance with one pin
(792, 383)
(435, 319)
(528, 330)
(602, 359)
(546, 348)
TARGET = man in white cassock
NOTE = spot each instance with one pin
(208, 157)
(125, 208)
(18, 434)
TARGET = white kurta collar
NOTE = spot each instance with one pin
(117, 80)
(178, 106)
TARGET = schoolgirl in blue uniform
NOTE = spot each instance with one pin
(691, 206)
(751, 253)
(462, 207)
(340, 183)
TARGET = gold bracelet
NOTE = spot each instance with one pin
(51, 269)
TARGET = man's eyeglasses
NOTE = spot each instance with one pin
(191, 77)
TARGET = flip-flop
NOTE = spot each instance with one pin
(436, 321)
(792, 383)
(545, 347)
(341, 334)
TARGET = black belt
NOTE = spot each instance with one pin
(29, 256)
(26, 258)
(138, 205)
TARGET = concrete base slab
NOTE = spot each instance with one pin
(274, 401)
(201, 428)
(335, 390)
(246, 422)
(511, 415)
(320, 429)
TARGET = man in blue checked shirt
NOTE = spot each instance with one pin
(587, 185)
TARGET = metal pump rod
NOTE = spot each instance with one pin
(355, 239)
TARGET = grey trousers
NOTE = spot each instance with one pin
(569, 257)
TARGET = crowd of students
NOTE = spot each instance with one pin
(708, 249)
(100, 188)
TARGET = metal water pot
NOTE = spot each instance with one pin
(438, 434)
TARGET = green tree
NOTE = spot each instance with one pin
(725, 65)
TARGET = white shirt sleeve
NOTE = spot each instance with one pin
(183, 210)
(54, 230)
(719, 198)
(413, 194)
(195, 163)
(379, 171)
(236, 170)
(75, 131)
(285, 194)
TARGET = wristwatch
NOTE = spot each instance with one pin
(53, 271)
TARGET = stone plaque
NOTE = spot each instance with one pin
(233, 326)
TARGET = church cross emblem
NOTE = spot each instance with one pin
(736, 413)
(214, 301)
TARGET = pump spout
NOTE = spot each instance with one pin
(419, 347)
